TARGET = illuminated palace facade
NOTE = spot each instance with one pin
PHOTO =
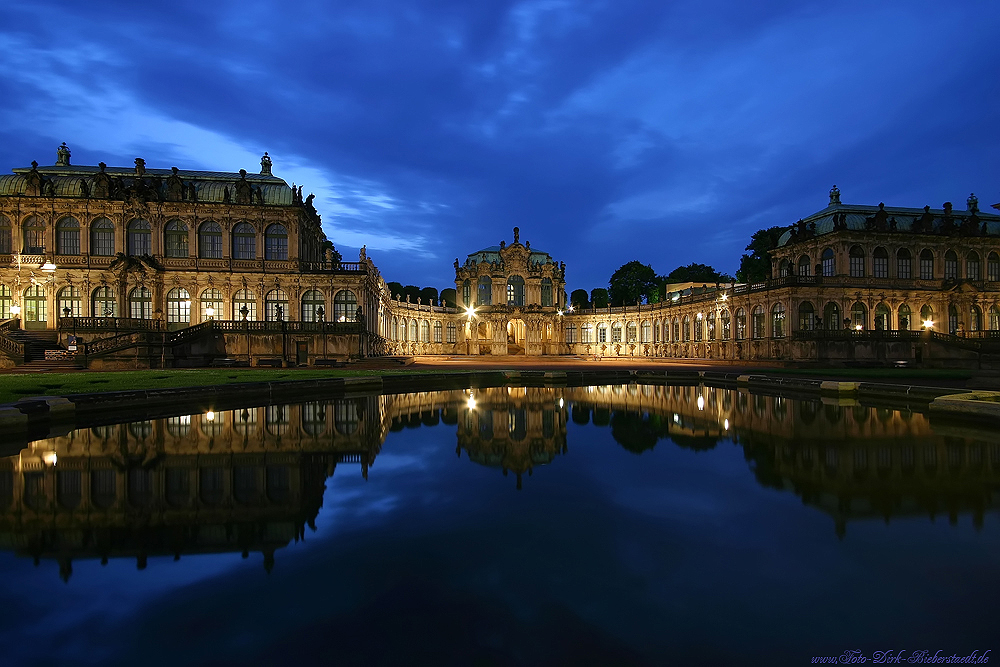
(163, 267)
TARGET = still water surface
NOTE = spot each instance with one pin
(622, 525)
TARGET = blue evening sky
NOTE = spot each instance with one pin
(666, 132)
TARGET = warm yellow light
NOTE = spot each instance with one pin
(701, 402)
(471, 403)
(570, 309)
(50, 458)
(928, 324)
(470, 311)
(210, 311)
(561, 403)
(858, 327)
(725, 424)
(724, 296)
(560, 313)
(48, 267)
(15, 310)
(701, 315)
(210, 416)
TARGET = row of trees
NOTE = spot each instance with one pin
(636, 282)
(423, 294)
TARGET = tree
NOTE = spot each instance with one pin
(450, 297)
(757, 265)
(429, 295)
(631, 283)
(696, 273)
(599, 297)
(411, 291)
(395, 289)
(578, 299)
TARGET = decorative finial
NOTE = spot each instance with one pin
(62, 156)
(517, 234)
(34, 164)
(102, 166)
(834, 196)
(174, 170)
(140, 166)
(243, 174)
(265, 165)
(973, 202)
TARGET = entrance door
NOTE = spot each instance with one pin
(301, 352)
(36, 308)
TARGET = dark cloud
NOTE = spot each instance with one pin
(608, 131)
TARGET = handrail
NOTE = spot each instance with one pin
(108, 323)
(15, 349)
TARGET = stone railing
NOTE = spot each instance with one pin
(108, 324)
(9, 346)
(114, 343)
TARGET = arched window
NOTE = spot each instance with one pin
(994, 318)
(950, 265)
(646, 331)
(140, 238)
(402, 330)
(515, 291)
(68, 236)
(807, 316)
(927, 316)
(602, 332)
(857, 257)
(175, 239)
(710, 324)
(452, 332)
(805, 266)
(244, 241)
(467, 293)
(952, 319)
(973, 267)
(546, 291)
(726, 325)
(276, 306)
(882, 317)
(828, 262)
(178, 306)
(616, 332)
(778, 320)
(345, 305)
(570, 333)
(437, 331)
(211, 305)
(6, 245)
(69, 297)
(903, 317)
(993, 267)
(975, 319)
(276, 242)
(102, 238)
(926, 265)
(314, 418)
(345, 416)
(210, 240)
(413, 331)
(676, 333)
(741, 324)
(425, 331)
(140, 303)
(630, 332)
(312, 301)
(104, 303)
(245, 305)
(904, 264)
(758, 322)
(784, 268)
(276, 419)
(831, 316)
(880, 263)
(859, 316)
(36, 305)
(34, 236)
(6, 301)
(484, 293)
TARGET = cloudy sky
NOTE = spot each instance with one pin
(666, 132)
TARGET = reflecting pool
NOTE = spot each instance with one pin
(611, 525)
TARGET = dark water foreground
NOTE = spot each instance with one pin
(622, 525)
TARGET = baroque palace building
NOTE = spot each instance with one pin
(136, 267)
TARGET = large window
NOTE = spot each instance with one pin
(467, 293)
(973, 267)
(857, 257)
(484, 293)
(726, 326)
(630, 332)
(616, 332)
(587, 333)
(102, 238)
(211, 305)
(602, 333)
(140, 238)
(904, 264)
(245, 305)
(926, 265)
(515, 291)
(425, 331)
(646, 332)
(882, 318)
(805, 267)
(6, 301)
(6, 247)
(34, 236)
(210, 240)
(313, 304)
(880, 263)
(244, 241)
(859, 316)
(345, 306)
(178, 306)
(68, 236)
(950, 265)
(828, 262)
(437, 331)
(104, 303)
(546, 291)
(570, 333)
(993, 267)
(276, 306)
(778, 320)
(831, 316)
(36, 305)
(276, 242)
(69, 297)
(175, 239)
(140, 303)
(758, 322)
(741, 324)
(451, 333)
(807, 316)
(903, 315)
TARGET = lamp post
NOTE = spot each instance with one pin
(360, 317)
(244, 311)
(320, 314)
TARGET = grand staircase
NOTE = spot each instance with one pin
(36, 344)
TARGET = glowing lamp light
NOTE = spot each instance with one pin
(725, 424)
(858, 327)
(210, 311)
(928, 324)
(701, 315)
(343, 318)
(48, 267)
(561, 403)
(570, 309)
(724, 296)
(15, 310)
(701, 402)
(50, 458)
(470, 311)
(471, 403)
(560, 313)
(210, 416)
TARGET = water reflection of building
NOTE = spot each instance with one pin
(243, 480)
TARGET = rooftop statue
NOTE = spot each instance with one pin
(62, 156)
(834, 196)
(140, 166)
(265, 165)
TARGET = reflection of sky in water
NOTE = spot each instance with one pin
(605, 556)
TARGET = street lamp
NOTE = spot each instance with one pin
(210, 311)
(928, 324)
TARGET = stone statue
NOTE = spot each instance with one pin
(265, 165)
(834, 196)
(517, 233)
(244, 191)
(140, 166)
(175, 186)
(972, 202)
(62, 156)
(84, 189)
(364, 253)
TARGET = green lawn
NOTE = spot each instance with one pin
(895, 375)
(17, 385)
